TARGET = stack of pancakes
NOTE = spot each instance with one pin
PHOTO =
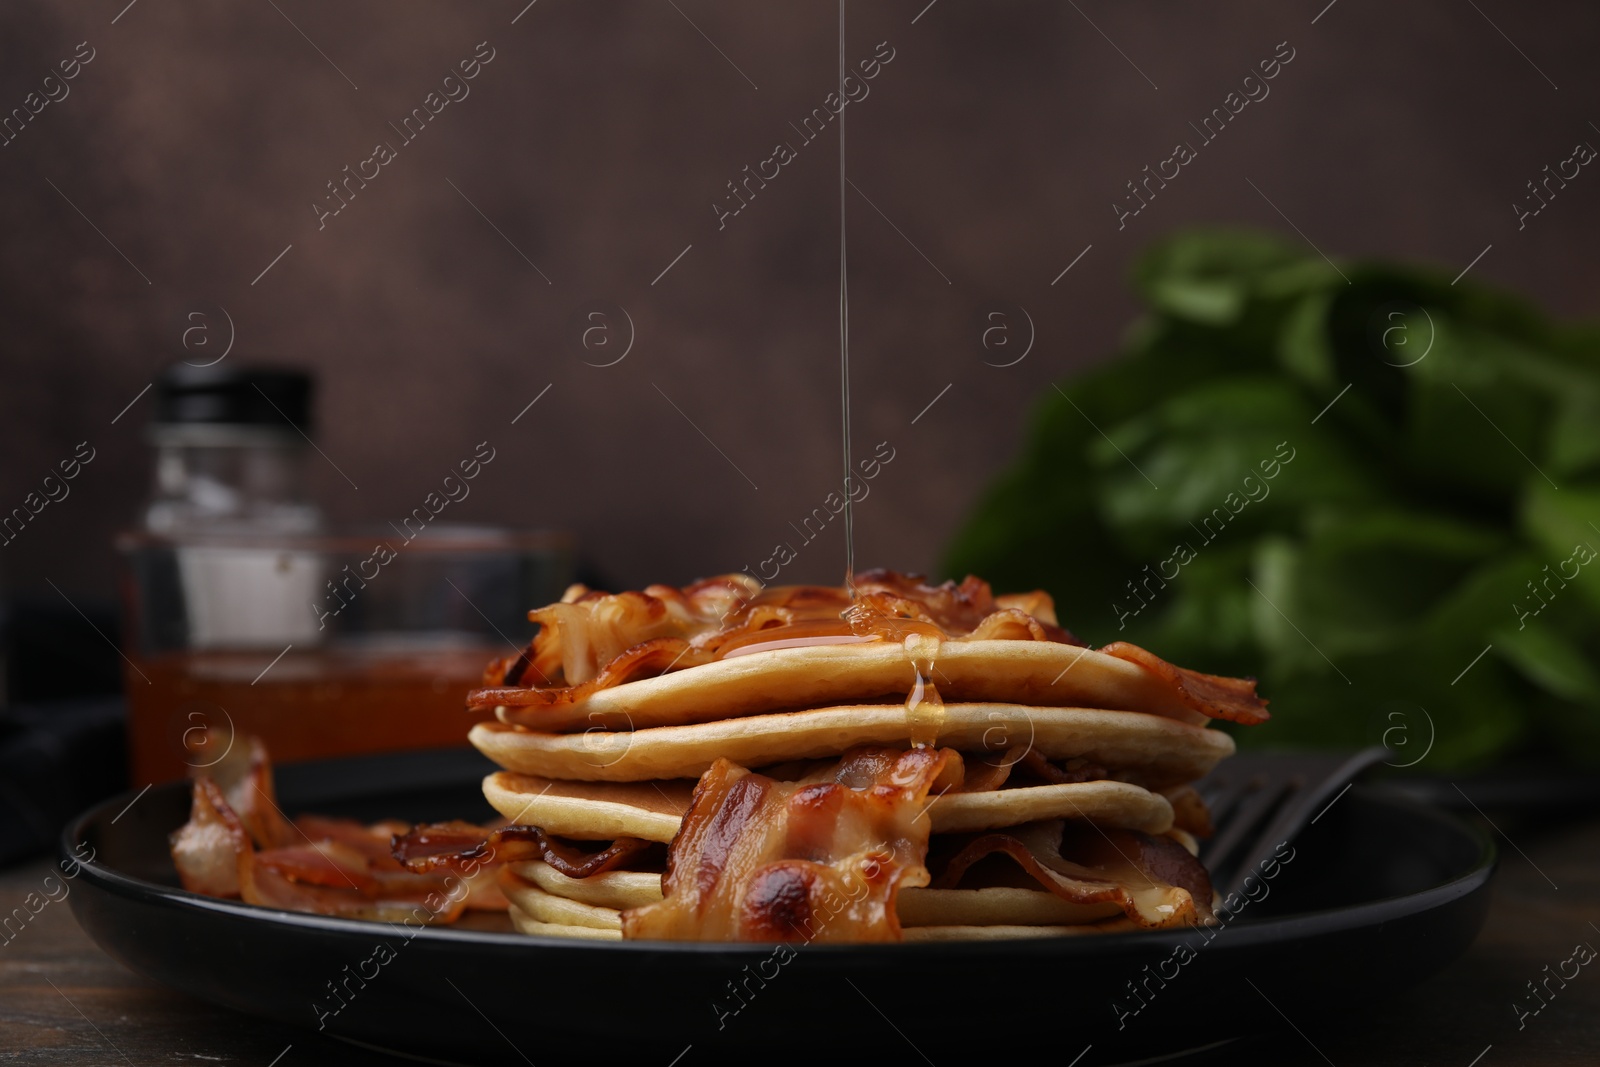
(958, 757)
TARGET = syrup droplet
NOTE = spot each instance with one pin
(924, 706)
(921, 641)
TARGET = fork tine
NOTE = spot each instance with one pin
(1318, 784)
(1221, 794)
(1222, 804)
(1264, 800)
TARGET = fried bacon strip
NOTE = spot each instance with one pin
(244, 774)
(990, 773)
(209, 849)
(821, 859)
(238, 844)
(644, 660)
(453, 845)
(592, 640)
(1154, 880)
(1073, 772)
(1212, 695)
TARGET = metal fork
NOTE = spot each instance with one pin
(1257, 802)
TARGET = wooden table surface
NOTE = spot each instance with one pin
(62, 1000)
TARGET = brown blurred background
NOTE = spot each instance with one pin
(596, 141)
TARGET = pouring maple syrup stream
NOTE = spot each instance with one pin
(919, 639)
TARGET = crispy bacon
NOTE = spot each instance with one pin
(595, 641)
(819, 859)
(324, 863)
(1154, 880)
(244, 775)
(644, 660)
(985, 775)
(295, 879)
(237, 843)
(1071, 773)
(208, 849)
(1213, 695)
(587, 630)
(214, 855)
(591, 641)
(454, 845)
(370, 840)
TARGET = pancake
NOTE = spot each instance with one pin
(1164, 752)
(977, 671)
(526, 924)
(591, 811)
(555, 910)
(613, 889)
(553, 901)
(846, 763)
(608, 810)
(1119, 804)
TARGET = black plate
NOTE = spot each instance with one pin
(1377, 895)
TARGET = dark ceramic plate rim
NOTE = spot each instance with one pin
(1275, 929)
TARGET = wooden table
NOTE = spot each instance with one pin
(62, 1000)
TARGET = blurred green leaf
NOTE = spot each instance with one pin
(1416, 530)
(1211, 276)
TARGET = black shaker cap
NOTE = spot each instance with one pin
(236, 395)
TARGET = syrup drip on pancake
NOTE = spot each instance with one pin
(875, 615)
(924, 706)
